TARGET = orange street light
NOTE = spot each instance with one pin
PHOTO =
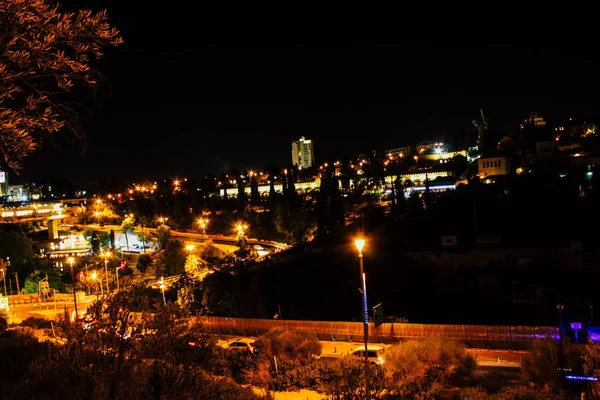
(360, 244)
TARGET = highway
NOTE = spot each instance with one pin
(190, 236)
(48, 310)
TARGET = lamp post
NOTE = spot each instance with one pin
(162, 288)
(71, 261)
(560, 308)
(94, 277)
(360, 243)
(203, 222)
(106, 255)
(241, 228)
(189, 248)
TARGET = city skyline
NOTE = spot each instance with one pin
(196, 97)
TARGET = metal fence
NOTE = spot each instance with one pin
(499, 337)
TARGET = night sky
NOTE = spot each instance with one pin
(198, 90)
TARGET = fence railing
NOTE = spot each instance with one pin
(502, 337)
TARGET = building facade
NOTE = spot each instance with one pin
(303, 153)
(493, 166)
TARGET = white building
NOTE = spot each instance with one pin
(302, 153)
(492, 166)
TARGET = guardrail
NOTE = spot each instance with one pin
(480, 336)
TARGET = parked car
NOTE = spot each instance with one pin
(374, 353)
(241, 344)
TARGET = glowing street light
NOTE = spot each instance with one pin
(360, 244)
(189, 248)
(162, 288)
(71, 261)
(106, 255)
(241, 229)
(95, 277)
(203, 223)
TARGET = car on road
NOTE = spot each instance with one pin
(374, 353)
(259, 248)
(241, 344)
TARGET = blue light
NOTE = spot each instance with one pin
(581, 378)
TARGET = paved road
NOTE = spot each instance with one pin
(197, 237)
(48, 310)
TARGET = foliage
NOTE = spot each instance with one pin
(219, 295)
(143, 262)
(104, 239)
(591, 365)
(35, 322)
(18, 348)
(511, 392)
(542, 365)
(128, 355)
(344, 378)
(17, 247)
(294, 223)
(294, 352)
(171, 261)
(163, 233)
(126, 227)
(32, 281)
(417, 366)
(45, 55)
(195, 267)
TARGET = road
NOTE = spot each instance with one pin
(48, 310)
(195, 237)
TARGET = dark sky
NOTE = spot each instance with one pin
(195, 89)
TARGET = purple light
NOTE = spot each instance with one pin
(581, 378)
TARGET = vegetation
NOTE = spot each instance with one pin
(46, 55)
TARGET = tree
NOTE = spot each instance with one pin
(127, 227)
(143, 262)
(46, 56)
(163, 233)
(17, 248)
(171, 261)
(420, 366)
(293, 224)
(195, 267)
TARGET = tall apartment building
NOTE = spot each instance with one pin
(302, 153)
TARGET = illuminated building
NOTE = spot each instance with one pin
(3, 183)
(303, 153)
(492, 166)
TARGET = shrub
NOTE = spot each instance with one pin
(542, 366)
(419, 366)
(344, 378)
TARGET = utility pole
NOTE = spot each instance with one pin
(17, 279)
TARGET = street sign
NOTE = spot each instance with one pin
(575, 325)
(4, 304)
(378, 315)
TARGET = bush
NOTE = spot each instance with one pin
(143, 262)
(419, 366)
(542, 366)
(344, 378)
(295, 354)
(36, 323)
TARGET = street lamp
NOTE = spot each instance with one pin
(71, 261)
(106, 255)
(162, 288)
(121, 265)
(241, 228)
(189, 248)
(560, 308)
(94, 277)
(360, 244)
(203, 223)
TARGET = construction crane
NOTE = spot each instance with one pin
(481, 128)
